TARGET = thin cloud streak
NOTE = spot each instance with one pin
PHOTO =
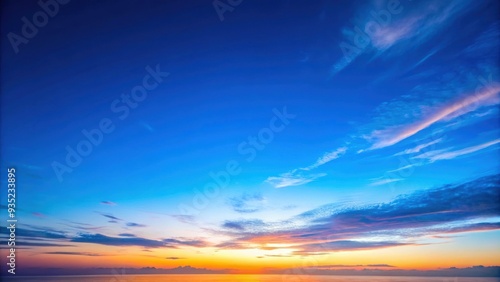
(379, 182)
(391, 136)
(247, 203)
(328, 157)
(440, 155)
(419, 148)
(298, 177)
(291, 179)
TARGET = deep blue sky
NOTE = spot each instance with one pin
(414, 108)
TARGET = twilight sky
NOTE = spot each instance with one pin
(331, 134)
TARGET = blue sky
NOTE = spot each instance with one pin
(356, 107)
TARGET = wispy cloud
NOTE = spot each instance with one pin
(189, 219)
(136, 241)
(293, 178)
(446, 154)
(390, 136)
(382, 181)
(127, 235)
(244, 225)
(35, 236)
(109, 203)
(419, 148)
(403, 167)
(74, 254)
(112, 217)
(187, 242)
(353, 265)
(118, 241)
(247, 203)
(133, 224)
(327, 157)
(302, 176)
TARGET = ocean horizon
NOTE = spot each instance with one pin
(242, 277)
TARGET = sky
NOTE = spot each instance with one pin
(251, 136)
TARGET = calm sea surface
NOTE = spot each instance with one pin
(246, 278)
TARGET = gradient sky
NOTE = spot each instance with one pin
(286, 134)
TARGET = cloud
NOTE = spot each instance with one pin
(174, 258)
(3, 244)
(486, 45)
(279, 256)
(403, 167)
(302, 176)
(379, 265)
(128, 239)
(392, 135)
(327, 157)
(243, 225)
(133, 224)
(420, 147)
(445, 154)
(379, 181)
(233, 225)
(191, 243)
(293, 178)
(81, 226)
(109, 203)
(113, 218)
(74, 254)
(184, 218)
(36, 234)
(126, 235)
(118, 241)
(352, 265)
(463, 207)
(247, 203)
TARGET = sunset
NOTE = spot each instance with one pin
(249, 140)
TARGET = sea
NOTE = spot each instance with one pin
(245, 278)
